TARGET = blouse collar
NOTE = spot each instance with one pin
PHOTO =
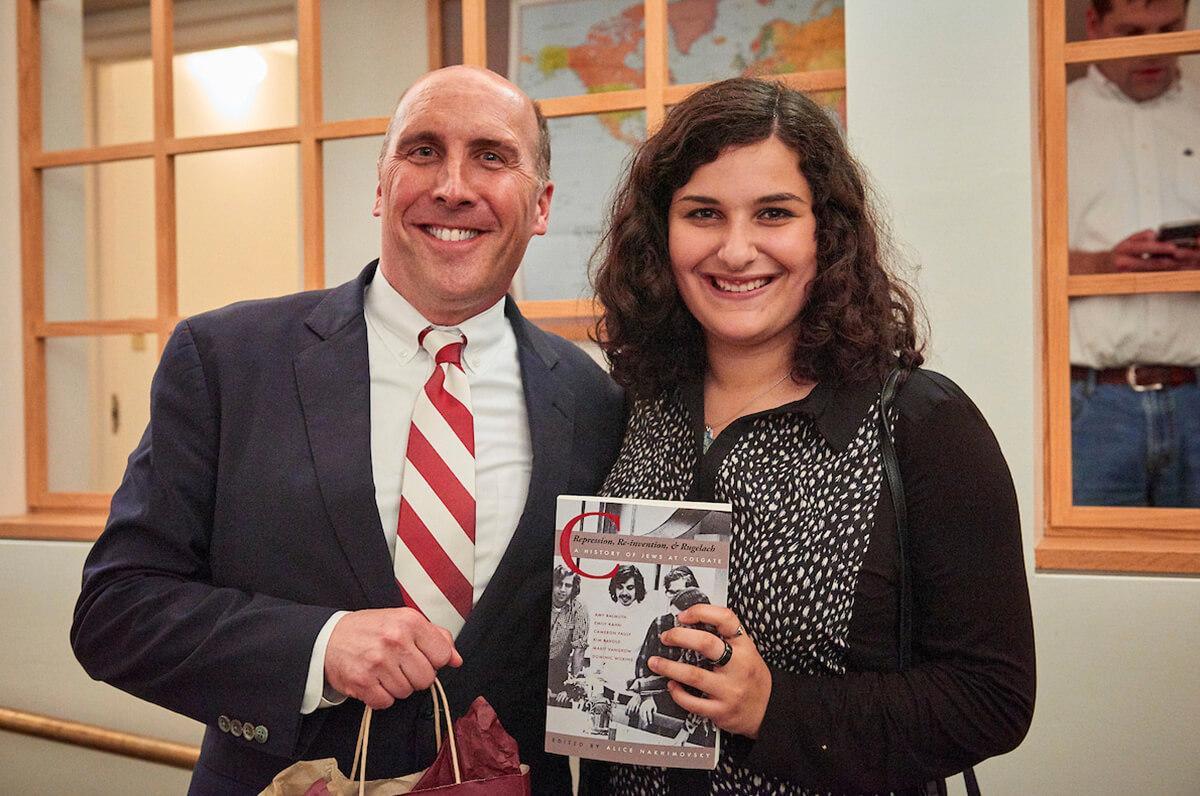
(837, 410)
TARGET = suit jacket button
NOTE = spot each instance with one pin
(248, 731)
(235, 727)
(260, 734)
(223, 723)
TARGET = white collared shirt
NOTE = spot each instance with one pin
(1131, 166)
(503, 449)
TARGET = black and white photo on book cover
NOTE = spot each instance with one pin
(623, 570)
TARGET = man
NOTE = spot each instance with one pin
(264, 553)
(1134, 164)
(569, 623)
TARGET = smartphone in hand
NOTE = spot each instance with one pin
(1180, 233)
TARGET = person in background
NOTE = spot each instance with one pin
(1133, 148)
(750, 313)
(344, 492)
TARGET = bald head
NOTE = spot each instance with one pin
(455, 77)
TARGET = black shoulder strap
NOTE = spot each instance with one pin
(891, 471)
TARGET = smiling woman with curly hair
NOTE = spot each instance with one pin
(750, 311)
(858, 317)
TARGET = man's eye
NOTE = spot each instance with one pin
(491, 157)
(423, 152)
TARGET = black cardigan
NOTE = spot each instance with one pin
(970, 691)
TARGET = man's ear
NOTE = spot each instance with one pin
(542, 222)
(377, 208)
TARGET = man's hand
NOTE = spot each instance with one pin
(646, 712)
(381, 655)
(1140, 252)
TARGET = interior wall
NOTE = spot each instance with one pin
(941, 106)
(39, 582)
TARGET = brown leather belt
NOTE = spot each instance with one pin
(1139, 377)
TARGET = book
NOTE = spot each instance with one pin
(623, 569)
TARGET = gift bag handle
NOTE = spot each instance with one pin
(439, 691)
(441, 711)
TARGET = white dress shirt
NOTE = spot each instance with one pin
(1131, 166)
(503, 450)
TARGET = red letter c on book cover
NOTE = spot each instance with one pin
(564, 542)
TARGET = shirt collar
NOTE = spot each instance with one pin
(399, 324)
(1106, 88)
(836, 410)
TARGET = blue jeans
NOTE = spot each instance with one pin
(1132, 448)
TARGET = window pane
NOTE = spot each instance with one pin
(234, 66)
(1133, 160)
(97, 405)
(351, 231)
(96, 77)
(371, 50)
(1135, 401)
(590, 153)
(238, 233)
(569, 47)
(1130, 18)
(99, 241)
(1133, 190)
(497, 34)
(715, 39)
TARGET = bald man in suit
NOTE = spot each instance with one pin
(245, 576)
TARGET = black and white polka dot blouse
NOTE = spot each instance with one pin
(813, 578)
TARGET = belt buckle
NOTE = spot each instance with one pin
(1131, 377)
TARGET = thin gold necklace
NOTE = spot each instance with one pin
(708, 427)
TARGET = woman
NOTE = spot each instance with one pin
(749, 313)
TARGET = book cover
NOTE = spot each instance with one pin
(623, 570)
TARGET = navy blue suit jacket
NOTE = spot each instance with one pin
(247, 515)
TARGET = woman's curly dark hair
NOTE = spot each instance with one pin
(858, 319)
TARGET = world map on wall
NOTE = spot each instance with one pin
(565, 48)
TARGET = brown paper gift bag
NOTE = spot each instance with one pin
(322, 777)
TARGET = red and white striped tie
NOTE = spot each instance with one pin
(435, 534)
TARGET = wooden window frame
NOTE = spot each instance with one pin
(79, 515)
(1092, 538)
